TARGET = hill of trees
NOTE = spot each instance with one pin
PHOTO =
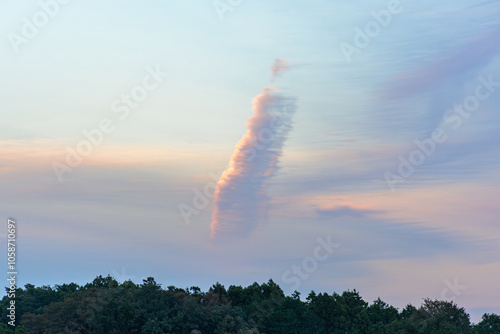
(107, 306)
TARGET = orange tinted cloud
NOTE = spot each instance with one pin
(240, 198)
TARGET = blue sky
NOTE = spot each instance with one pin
(355, 120)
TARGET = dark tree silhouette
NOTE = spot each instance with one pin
(107, 306)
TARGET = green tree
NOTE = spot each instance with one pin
(20, 330)
(489, 324)
(106, 307)
(381, 314)
(4, 329)
(441, 316)
(102, 282)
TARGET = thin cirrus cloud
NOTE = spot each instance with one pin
(240, 200)
(444, 83)
(472, 55)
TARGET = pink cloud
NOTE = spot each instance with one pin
(240, 197)
(280, 66)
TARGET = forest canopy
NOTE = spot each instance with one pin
(107, 306)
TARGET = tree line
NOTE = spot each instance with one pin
(107, 306)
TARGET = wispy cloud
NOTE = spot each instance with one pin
(280, 66)
(472, 55)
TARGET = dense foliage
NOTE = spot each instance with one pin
(106, 306)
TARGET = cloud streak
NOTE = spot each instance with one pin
(240, 200)
(345, 211)
(469, 56)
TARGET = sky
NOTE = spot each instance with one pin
(329, 145)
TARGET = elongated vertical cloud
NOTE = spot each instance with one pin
(279, 66)
(240, 198)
